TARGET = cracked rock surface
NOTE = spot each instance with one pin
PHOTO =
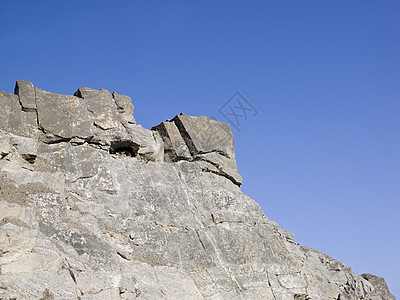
(93, 206)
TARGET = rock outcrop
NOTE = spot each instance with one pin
(93, 206)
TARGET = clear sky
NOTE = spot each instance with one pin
(322, 155)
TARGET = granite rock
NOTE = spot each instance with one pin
(94, 206)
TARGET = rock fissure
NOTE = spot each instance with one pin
(101, 127)
(222, 263)
(270, 285)
(115, 102)
(212, 151)
(223, 174)
(185, 135)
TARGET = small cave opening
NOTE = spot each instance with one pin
(30, 158)
(124, 148)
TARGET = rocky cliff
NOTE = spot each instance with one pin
(93, 206)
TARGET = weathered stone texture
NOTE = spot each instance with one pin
(381, 290)
(200, 139)
(93, 206)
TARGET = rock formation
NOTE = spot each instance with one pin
(93, 206)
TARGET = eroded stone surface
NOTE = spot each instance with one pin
(381, 289)
(93, 207)
(200, 139)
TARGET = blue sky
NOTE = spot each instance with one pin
(322, 155)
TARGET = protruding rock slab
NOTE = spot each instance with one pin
(98, 117)
(62, 116)
(203, 135)
(101, 103)
(26, 93)
(201, 139)
(14, 118)
(26, 147)
(125, 107)
(174, 146)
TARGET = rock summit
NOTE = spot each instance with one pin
(94, 206)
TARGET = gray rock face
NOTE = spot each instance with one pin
(200, 139)
(381, 290)
(93, 206)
